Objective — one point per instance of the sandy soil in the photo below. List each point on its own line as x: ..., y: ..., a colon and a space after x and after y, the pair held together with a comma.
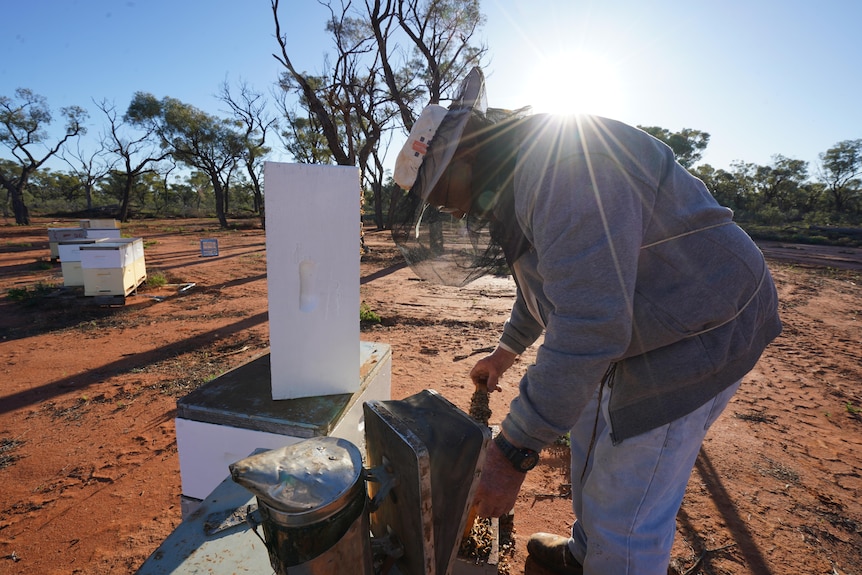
x: 88, y: 457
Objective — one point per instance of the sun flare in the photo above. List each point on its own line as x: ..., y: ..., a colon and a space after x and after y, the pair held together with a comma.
x: 575, y: 83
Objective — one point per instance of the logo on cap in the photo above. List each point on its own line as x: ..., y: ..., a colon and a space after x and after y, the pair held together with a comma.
x: 420, y: 147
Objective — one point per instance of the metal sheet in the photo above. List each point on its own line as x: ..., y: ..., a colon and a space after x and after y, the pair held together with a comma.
x: 428, y: 441
x: 195, y: 547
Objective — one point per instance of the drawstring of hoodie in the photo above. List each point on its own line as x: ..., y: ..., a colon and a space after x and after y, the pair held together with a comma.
x: 606, y: 380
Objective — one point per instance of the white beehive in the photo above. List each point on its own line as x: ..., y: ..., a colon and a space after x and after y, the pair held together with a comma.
x: 57, y: 235
x: 312, y: 257
x: 104, y: 233
x: 113, y: 267
x: 70, y: 260
x: 226, y: 419
x: 100, y: 223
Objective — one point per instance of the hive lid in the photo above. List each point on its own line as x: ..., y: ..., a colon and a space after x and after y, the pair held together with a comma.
x: 310, y: 480
x: 437, y: 451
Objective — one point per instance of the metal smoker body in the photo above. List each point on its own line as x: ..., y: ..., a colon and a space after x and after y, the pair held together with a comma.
x: 424, y: 456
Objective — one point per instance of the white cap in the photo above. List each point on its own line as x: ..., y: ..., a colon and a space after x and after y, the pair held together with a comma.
x: 413, y: 152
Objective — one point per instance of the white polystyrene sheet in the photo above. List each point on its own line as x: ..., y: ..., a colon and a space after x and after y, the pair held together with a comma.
x: 312, y: 252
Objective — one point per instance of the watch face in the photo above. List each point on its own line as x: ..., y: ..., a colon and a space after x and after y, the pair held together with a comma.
x: 523, y: 459
x: 529, y: 460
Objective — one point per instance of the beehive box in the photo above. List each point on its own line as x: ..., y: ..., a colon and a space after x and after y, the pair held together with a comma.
x: 103, y: 233
x: 113, y: 267
x: 466, y: 564
x: 70, y: 260
x: 100, y: 223
x: 57, y: 235
x: 225, y: 419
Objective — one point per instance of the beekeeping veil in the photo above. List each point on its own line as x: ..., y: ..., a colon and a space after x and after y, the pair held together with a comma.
x: 439, y: 247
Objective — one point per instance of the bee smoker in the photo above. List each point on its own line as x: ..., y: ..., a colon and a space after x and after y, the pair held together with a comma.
x: 312, y: 505
x: 323, y: 513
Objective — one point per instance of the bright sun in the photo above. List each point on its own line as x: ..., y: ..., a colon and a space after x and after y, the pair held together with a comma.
x: 574, y: 83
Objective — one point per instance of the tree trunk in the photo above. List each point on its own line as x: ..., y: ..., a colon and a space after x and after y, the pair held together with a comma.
x: 16, y: 193
x: 378, y: 208
x: 219, y: 201
x: 22, y: 213
x: 258, y: 197
x: 123, y: 216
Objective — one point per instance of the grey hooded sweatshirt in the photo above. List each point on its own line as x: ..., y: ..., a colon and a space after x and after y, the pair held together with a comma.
x: 632, y: 264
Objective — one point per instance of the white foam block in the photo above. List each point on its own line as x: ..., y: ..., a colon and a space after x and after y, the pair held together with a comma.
x: 312, y: 253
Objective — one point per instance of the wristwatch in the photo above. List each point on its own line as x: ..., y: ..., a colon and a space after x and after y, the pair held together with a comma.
x: 522, y: 458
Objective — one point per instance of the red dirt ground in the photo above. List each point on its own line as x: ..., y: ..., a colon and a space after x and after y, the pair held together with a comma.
x: 88, y: 457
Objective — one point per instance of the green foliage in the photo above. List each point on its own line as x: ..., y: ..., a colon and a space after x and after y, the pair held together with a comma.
x: 29, y: 295
x: 156, y: 279
x: 687, y: 144
x: 563, y: 440
x: 800, y: 234
x: 367, y: 315
x: 42, y: 265
x: 842, y: 174
x: 24, y: 122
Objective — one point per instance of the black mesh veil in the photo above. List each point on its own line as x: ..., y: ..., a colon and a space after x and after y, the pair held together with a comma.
x: 438, y: 247
x: 442, y: 249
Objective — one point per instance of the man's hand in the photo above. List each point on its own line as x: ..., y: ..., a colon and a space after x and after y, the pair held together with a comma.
x: 490, y: 368
x: 498, y: 485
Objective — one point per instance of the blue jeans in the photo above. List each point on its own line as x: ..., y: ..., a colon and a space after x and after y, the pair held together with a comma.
x: 626, y: 496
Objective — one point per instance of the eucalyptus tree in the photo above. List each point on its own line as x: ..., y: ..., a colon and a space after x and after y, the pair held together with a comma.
x: 780, y: 183
x: 54, y: 191
x: 841, y: 172
x: 135, y: 150
x: 24, y: 122
x: 301, y: 135
x: 194, y: 138
x: 687, y: 144
x: 390, y: 59
x: 89, y: 167
x: 249, y: 108
x: 723, y: 185
x: 164, y: 194
x: 346, y: 101
x: 436, y: 51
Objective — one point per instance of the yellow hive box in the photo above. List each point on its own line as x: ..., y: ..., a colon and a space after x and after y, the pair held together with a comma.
x: 73, y: 275
x: 113, y: 268
x: 109, y: 281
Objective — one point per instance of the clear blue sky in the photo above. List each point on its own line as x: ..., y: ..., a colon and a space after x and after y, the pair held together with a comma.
x: 763, y: 77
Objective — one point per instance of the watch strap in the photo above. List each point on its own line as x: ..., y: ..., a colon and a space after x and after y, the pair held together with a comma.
x: 522, y: 458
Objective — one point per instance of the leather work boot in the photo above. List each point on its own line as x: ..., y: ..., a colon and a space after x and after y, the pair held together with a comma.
x: 552, y: 553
